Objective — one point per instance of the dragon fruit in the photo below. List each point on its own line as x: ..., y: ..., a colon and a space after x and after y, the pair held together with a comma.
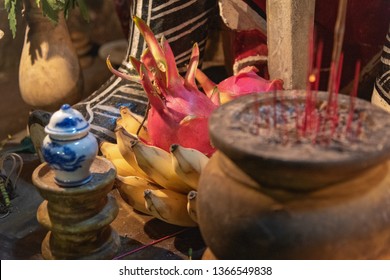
x: 246, y: 81
x: 179, y: 111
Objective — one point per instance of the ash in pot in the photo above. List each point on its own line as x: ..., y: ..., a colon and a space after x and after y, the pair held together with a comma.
x: 296, y: 125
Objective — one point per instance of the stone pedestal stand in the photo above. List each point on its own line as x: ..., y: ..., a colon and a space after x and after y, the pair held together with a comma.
x: 78, y: 218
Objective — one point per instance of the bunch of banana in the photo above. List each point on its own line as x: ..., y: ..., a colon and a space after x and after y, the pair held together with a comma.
x: 153, y: 181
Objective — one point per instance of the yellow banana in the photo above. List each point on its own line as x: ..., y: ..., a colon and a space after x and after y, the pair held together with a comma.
x: 168, y: 206
x: 110, y: 150
x: 157, y: 163
x: 123, y: 168
x: 112, y: 153
x: 131, y: 122
x: 125, y: 140
x: 131, y: 189
x: 191, y: 205
x: 188, y: 164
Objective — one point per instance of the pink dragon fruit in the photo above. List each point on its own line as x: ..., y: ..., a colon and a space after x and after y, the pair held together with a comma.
x: 179, y: 112
x: 245, y: 82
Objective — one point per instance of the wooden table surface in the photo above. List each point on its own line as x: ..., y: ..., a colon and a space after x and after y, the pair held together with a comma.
x: 21, y: 234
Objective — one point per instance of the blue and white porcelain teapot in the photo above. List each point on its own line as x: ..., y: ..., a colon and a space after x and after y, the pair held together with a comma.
x: 69, y: 148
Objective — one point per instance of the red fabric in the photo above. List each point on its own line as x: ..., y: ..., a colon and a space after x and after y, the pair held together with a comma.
x: 260, y: 3
x: 365, y: 31
x: 249, y: 43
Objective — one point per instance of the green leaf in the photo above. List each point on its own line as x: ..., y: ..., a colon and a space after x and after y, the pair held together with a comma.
x: 66, y: 8
x: 71, y: 4
x: 83, y: 9
x: 12, y: 6
x: 56, y: 5
x: 49, y: 9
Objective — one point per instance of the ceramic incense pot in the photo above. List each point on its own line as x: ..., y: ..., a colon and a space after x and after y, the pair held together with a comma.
x: 291, y: 182
x: 277, y: 142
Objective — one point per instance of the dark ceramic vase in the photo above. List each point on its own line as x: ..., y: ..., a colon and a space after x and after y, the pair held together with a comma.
x: 286, y: 200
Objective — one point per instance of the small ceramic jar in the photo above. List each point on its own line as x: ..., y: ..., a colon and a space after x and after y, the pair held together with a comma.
x: 69, y: 148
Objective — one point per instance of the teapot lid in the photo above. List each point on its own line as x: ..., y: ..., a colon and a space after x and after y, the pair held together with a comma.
x: 67, y: 123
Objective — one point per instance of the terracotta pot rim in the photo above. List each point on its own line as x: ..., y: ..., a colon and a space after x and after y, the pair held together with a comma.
x: 251, y: 155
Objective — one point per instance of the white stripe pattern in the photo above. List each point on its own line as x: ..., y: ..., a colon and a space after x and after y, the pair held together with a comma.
x: 162, y: 6
x: 105, y: 131
x: 386, y: 49
x: 188, y: 31
x: 130, y: 99
x: 178, y: 8
x: 110, y: 109
x: 179, y: 27
x: 385, y: 60
x: 184, y: 57
x: 104, y: 114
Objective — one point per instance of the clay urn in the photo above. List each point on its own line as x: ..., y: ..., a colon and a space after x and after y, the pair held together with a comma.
x: 49, y: 72
x: 297, y: 178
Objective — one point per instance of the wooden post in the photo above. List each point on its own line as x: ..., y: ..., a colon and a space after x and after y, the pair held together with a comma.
x: 289, y: 23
